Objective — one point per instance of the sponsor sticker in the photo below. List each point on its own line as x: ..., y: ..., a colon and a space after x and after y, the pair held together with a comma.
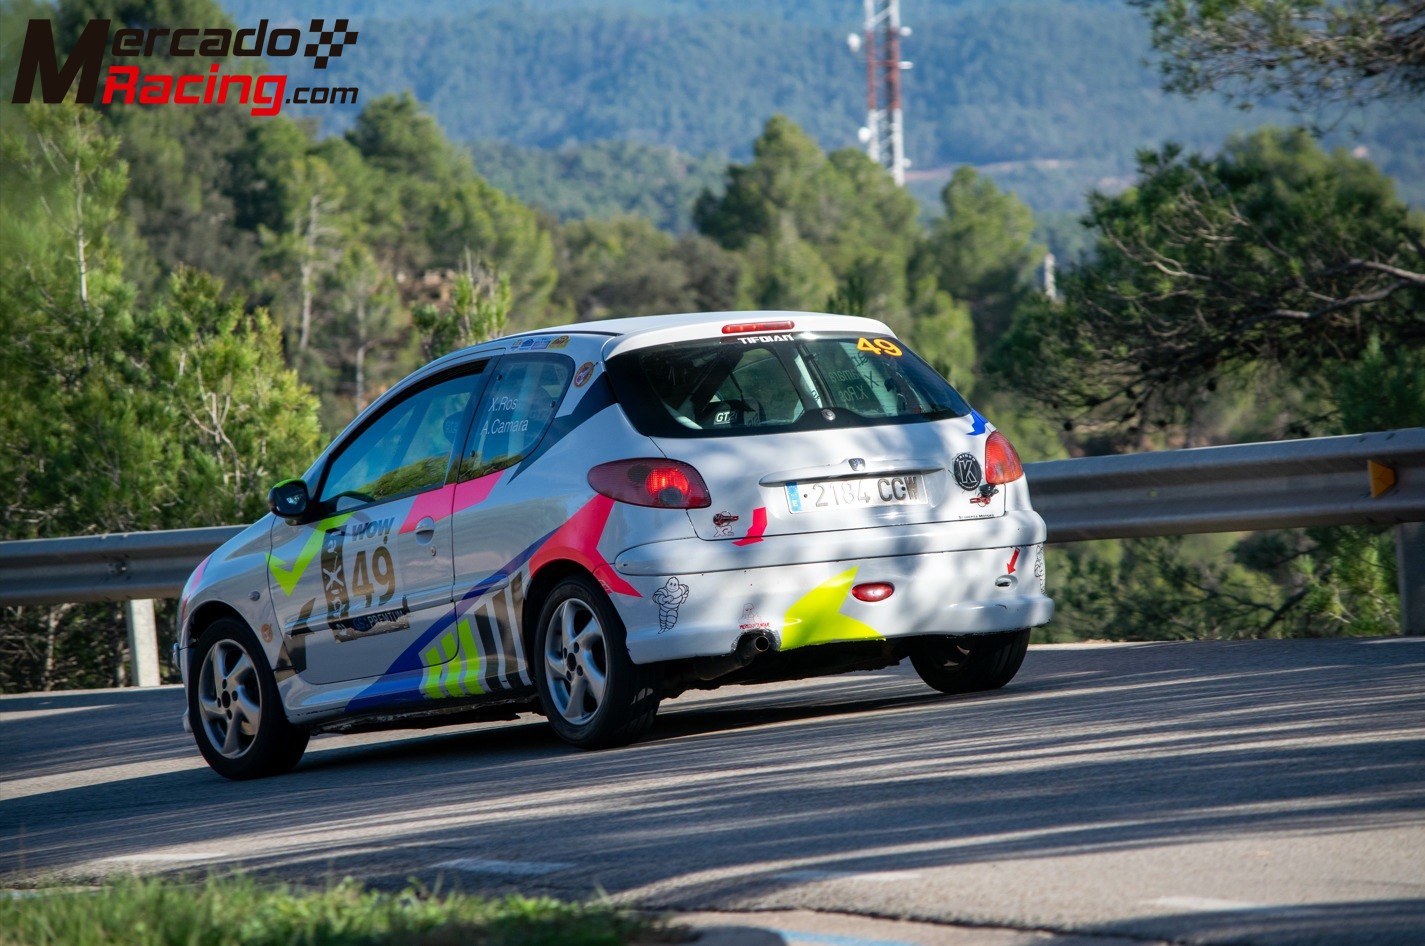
x: 966, y: 470
x: 669, y: 599
x: 369, y: 625
x: 752, y: 621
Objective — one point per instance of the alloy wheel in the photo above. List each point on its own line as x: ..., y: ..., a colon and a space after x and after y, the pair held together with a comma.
x: 229, y: 699
x: 576, y: 662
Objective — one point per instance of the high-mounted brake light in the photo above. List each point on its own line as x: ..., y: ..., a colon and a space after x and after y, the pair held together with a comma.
x: 663, y: 484
x: 742, y: 328
x: 1001, y: 460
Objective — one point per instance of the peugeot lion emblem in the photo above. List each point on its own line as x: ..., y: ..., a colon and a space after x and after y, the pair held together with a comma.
x: 857, y: 464
x: 967, y: 471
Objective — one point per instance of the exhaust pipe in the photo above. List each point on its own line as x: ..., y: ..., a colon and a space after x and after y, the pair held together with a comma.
x: 749, y: 647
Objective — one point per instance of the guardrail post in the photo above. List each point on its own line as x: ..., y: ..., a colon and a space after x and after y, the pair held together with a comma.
x: 1410, y: 569
x: 143, y: 642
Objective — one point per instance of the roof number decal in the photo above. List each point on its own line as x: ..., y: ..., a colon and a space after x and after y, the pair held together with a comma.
x: 878, y: 346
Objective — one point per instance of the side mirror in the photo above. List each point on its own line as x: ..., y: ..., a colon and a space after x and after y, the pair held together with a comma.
x: 289, y: 499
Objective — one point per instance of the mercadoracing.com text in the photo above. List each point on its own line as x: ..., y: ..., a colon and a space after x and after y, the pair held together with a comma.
x: 57, y: 74
x: 266, y: 94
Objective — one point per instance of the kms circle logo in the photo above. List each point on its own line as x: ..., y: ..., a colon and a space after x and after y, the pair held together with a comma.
x: 57, y: 73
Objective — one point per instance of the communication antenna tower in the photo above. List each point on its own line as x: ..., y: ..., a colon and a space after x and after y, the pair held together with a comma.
x: 884, y: 134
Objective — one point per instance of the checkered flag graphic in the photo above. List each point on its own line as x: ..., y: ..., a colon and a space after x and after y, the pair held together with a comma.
x: 327, y: 44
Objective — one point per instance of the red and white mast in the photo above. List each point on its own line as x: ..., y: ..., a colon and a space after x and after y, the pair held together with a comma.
x: 884, y: 133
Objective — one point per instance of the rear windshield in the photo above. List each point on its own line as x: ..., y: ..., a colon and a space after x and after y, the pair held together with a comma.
x: 765, y: 383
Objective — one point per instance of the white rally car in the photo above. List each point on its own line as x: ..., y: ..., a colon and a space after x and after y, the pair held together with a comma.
x: 583, y: 521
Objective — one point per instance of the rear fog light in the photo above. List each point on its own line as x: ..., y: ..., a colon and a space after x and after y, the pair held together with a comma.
x: 873, y: 591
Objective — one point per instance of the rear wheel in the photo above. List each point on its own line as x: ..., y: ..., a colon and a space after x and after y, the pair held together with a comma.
x: 236, y: 712
x: 594, y: 695
x: 969, y: 664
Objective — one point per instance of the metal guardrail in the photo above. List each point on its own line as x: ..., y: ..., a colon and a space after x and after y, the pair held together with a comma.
x: 1288, y: 484
x: 1361, y: 479
x: 119, y: 566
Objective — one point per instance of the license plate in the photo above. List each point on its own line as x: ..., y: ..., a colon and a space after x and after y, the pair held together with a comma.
x: 907, y: 490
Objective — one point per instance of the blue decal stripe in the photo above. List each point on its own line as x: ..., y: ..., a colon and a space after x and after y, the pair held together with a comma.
x: 394, y: 686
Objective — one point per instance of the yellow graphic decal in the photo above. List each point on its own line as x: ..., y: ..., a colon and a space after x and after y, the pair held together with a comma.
x: 452, y: 664
x: 465, y: 674
x: 287, y: 578
x: 879, y: 346
x: 816, y: 618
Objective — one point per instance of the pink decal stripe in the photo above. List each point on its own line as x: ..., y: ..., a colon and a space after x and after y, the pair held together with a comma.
x: 476, y: 491
x: 754, y: 531
x: 434, y: 505
x: 450, y: 499
x: 578, y: 541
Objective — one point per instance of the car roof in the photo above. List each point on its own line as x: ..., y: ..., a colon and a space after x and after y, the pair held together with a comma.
x: 644, y: 330
x: 641, y: 331
x: 639, y: 325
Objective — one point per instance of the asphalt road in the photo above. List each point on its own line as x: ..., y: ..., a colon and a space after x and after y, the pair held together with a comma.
x: 1260, y: 792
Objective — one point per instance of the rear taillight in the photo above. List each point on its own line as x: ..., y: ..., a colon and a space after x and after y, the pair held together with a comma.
x: 742, y: 328
x: 665, y: 484
x: 1001, y: 461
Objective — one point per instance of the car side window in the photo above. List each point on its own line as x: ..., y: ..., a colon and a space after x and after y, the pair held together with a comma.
x: 515, y: 411
x: 405, y: 450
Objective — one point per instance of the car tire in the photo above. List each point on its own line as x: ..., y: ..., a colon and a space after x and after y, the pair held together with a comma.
x: 969, y: 664
x: 236, y: 712
x: 594, y: 696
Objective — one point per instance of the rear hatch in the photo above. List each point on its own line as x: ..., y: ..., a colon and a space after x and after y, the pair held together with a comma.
x: 808, y: 432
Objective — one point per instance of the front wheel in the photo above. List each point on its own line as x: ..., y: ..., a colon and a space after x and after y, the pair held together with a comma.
x: 969, y: 664
x: 236, y: 711
x: 594, y: 695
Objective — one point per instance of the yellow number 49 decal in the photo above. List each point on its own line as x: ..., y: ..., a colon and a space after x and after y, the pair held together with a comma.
x: 878, y: 346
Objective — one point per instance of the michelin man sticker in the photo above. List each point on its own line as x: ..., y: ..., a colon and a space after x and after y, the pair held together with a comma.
x: 669, y: 599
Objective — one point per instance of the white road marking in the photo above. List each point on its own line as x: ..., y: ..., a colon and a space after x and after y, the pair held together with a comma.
x: 874, y: 876
x: 21, y: 716
x: 14, y: 789
x: 475, y: 865
x: 164, y: 858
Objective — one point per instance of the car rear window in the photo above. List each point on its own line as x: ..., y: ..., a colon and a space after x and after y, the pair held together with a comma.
x: 765, y: 383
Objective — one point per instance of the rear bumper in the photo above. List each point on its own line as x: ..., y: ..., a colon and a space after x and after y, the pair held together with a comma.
x: 797, y: 590
x: 1016, y: 528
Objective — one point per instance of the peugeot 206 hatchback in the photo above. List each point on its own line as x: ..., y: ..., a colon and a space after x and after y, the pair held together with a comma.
x: 583, y: 521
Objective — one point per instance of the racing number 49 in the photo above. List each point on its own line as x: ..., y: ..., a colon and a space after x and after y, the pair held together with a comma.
x: 382, y: 568
x: 878, y: 346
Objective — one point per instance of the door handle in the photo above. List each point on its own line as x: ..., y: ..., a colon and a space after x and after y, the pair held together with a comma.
x: 425, y: 530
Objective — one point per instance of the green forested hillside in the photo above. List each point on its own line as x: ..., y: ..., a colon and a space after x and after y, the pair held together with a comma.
x: 1052, y: 97
x: 602, y: 179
